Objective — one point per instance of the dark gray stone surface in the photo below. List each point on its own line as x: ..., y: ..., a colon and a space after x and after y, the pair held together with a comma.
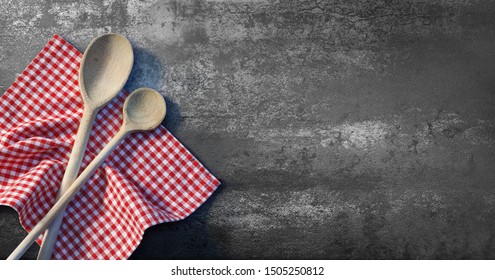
x: 340, y: 129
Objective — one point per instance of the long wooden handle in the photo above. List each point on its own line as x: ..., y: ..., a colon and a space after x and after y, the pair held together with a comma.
x: 70, y: 176
x: 66, y: 197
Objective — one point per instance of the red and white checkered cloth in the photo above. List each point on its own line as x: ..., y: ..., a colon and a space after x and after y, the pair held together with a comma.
x: 150, y: 178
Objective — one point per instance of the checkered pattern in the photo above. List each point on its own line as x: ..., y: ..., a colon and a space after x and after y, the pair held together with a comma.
x: 150, y: 178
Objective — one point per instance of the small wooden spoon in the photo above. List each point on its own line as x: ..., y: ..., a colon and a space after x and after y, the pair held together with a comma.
x: 105, y: 67
x: 144, y: 110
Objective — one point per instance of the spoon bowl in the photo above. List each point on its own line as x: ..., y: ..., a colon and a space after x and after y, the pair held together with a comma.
x: 105, y: 67
x: 143, y: 110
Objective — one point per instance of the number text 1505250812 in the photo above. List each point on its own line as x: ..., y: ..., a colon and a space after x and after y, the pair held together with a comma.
x: 294, y: 270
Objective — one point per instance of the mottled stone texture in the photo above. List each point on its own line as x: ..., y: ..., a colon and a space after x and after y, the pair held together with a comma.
x: 340, y: 129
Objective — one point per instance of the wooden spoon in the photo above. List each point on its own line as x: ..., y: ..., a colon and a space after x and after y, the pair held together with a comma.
x: 144, y: 109
x: 105, y: 67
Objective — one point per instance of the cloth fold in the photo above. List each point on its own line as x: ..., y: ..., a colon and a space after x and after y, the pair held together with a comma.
x: 150, y: 178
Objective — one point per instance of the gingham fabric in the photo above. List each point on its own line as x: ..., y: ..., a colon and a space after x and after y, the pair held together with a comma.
x: 150, y: 178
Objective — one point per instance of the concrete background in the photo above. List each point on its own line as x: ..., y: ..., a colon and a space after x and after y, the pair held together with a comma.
x: 340, y: 129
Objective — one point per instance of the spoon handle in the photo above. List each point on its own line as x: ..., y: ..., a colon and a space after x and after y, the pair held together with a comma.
x: 70, y: 176
x: 60, y: 205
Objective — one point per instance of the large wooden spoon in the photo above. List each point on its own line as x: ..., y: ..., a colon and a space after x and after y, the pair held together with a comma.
x: 105, y: 67
x: 143, y: 110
